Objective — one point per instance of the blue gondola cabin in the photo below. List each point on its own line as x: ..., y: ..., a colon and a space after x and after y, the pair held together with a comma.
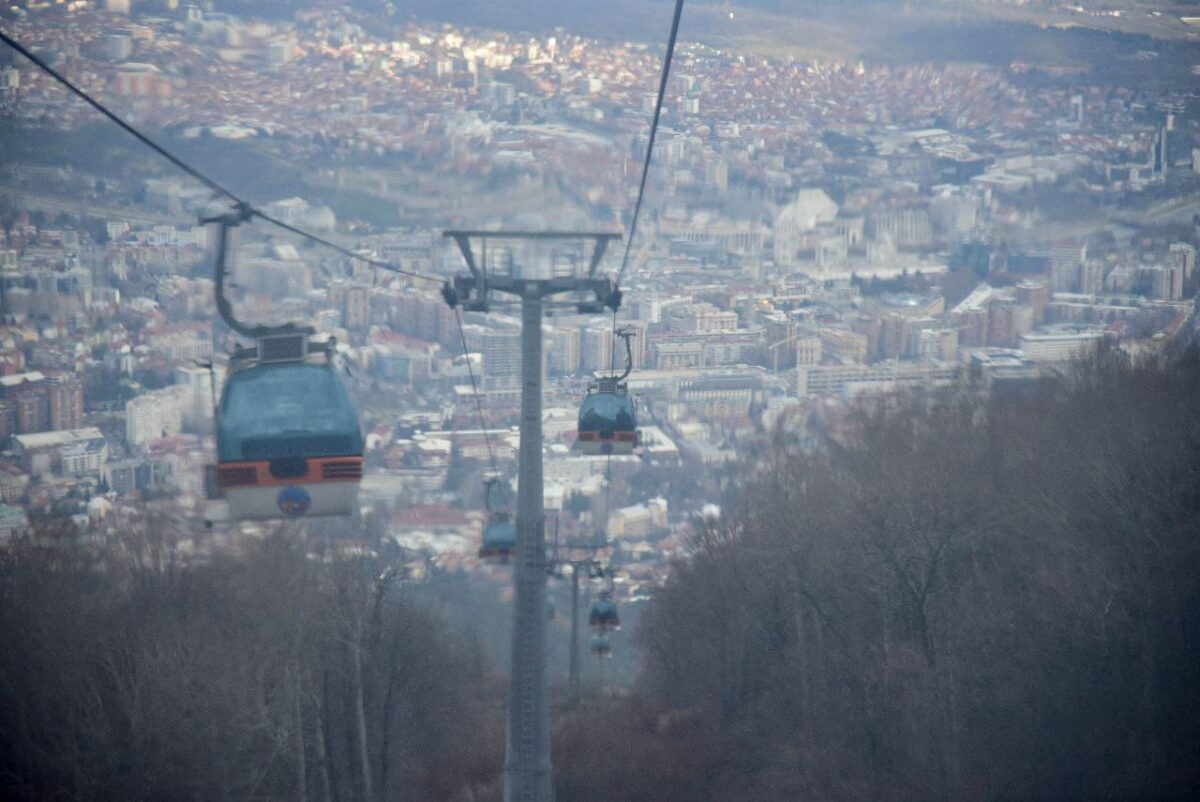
x: 607, y: 420
x: 288, y: 441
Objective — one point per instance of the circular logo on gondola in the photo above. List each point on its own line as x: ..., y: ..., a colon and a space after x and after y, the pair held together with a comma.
x: 606, y: 448
x: 294, y: 500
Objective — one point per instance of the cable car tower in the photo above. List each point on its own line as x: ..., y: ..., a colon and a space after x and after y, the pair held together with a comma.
x: 517, y: 271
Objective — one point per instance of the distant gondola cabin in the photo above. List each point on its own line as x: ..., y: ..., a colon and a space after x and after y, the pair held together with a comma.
x: 499, y: 538
x: 607, y: 420
x: 603, y: 615
x: 601, y: 647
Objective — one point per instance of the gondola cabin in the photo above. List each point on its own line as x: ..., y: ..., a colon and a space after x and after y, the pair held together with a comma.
x: 288, y: 442
x: 603, y: 615
x: 499, y: 538
x: 601, y: 647
x: 607, y: 420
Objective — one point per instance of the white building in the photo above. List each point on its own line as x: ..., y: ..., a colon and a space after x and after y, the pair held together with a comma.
x: 72, y: 451
x: 639, y: 520
x: 184, y: 345
x: 1059, y: 347
x: 502, y: 363
x: 596, y: 347
x: 853, y: 378
x: 154, y: 415
x: 795, y: 222
x: 196, y: 394
x: 564, y: 350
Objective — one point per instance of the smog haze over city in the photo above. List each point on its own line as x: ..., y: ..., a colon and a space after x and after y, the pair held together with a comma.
x: 633, y: 400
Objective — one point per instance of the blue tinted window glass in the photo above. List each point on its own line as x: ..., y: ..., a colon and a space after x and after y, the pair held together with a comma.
x: 499, y: 534
x: 293, y: 409
x: 607, y: 412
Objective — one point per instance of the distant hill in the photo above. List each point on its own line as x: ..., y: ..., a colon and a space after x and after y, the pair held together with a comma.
x: 633, y: 19
x: 897, y: 31
x: 609, y: 18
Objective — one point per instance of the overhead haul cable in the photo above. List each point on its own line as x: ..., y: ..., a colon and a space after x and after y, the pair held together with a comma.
x: 658, y: 104
x: 487, y: 439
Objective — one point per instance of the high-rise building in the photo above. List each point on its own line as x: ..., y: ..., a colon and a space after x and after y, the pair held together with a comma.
x: 973, y: 326
x: 1183, y: 256
x: 38, y: 403
x: 1162, y: 158
x: 153, y: 415
x: 196, y: 396
x: 893, y: 334
x: 648, y: 308
x: 596, y: 348
x: 502, y: 363
x: 1007, y: 321
x: 33, y: 414
x: 118, y: 46
x: 1091, y: 277
x: 564, y: 350
x: 8, y: 420
x: 1063, y: 272
x: 65, y: 401
x: 1166, y: 282
x: 1035, y: 295
x: 353, y: 302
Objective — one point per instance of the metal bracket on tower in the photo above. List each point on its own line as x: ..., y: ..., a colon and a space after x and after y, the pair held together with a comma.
x: 473, y: 291
x: 614, y: 299
x: 450, y: 295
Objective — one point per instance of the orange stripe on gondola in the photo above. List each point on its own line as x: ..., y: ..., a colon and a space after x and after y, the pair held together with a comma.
x: 347, y: 469
x: 318, y: 470
x: 620, y: 437
x: 237, y: 475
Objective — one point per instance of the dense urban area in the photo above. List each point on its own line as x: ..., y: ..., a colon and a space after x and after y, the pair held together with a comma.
x: 910, y: 354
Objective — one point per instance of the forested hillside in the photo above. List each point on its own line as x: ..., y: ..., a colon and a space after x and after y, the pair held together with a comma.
x: 959, y: 598
x: 265, y: 676
x: 963, y: 599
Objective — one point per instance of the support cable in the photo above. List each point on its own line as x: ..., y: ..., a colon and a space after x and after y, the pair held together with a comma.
x: 658, y: 104
x: 612, y: 369
x: 487, y: 439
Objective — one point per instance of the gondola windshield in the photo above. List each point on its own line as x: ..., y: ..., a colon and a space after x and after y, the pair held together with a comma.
x: 286, y: 410
x: 607, y: 412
